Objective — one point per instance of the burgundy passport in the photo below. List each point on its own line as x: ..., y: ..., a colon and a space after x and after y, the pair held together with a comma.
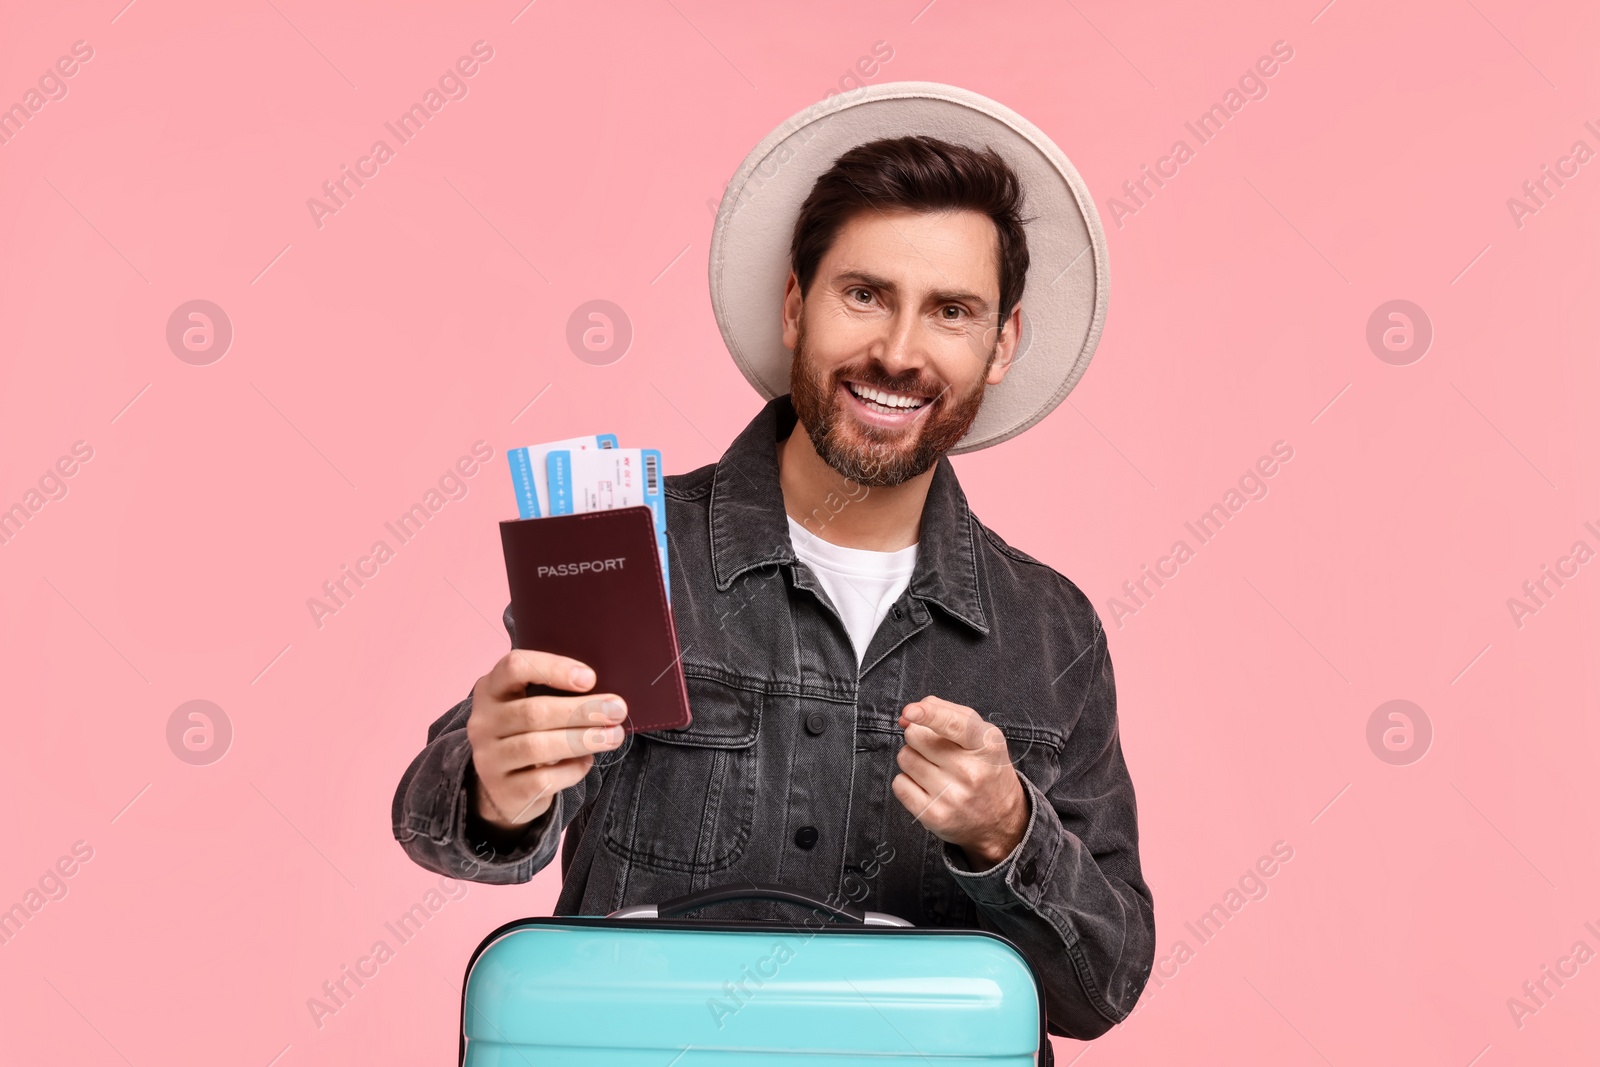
x: 589, y: 586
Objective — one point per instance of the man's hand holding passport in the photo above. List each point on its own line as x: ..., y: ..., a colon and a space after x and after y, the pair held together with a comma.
x: 587, y: 569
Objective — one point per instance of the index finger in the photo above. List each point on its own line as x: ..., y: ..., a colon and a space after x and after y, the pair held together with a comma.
x: 954, y: 722
x: 522, y: 667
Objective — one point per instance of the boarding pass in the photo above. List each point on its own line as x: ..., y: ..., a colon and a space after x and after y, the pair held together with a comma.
x: 528, y: 470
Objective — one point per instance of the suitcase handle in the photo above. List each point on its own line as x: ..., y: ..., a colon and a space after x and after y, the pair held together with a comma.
x: 675, y: 907
x: 672, y: 909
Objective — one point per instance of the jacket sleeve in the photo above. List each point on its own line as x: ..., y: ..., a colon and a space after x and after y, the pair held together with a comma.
x: 435, y: 822
x: 1071, y: 895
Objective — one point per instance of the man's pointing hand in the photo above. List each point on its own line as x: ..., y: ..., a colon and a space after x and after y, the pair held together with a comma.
x: 957, y: 780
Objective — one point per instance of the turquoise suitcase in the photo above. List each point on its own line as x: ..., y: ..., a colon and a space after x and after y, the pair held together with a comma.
x: 840, y: 987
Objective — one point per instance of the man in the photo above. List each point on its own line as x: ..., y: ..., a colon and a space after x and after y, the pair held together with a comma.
x: 890, y: 704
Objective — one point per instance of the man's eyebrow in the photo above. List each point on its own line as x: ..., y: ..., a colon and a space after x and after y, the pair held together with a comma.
x: 941, y: 295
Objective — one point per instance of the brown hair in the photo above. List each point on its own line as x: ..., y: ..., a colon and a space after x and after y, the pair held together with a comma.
x: 917, y: 173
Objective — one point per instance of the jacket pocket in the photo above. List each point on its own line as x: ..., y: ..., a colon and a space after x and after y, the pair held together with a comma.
x: 1035, y: 750
x: 684, y: 800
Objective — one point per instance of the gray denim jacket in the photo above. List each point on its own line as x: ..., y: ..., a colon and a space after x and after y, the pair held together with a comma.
x: 783, y: 775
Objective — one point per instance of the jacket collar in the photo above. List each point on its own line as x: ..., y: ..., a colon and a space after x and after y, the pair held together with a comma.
x: 748, y: 527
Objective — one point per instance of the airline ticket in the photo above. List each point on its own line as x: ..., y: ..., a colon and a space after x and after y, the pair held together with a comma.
x: 528, y: 469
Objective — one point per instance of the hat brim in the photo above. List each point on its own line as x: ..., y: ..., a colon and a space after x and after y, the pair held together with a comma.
x: 1063, y: 302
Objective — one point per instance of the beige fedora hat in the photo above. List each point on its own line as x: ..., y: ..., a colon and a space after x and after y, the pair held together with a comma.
x: 1063, y: 304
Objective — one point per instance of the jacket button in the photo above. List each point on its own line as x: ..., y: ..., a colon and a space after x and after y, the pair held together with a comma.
x: 897, y: 612
x: 806, y: 836
x: 816, y: 722
x: 1026, y: 872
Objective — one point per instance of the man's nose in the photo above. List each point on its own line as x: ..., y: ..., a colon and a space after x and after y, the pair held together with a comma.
x: 902, y: 348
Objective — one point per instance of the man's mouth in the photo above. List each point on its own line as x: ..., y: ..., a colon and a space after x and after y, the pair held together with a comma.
x: 884, y: 401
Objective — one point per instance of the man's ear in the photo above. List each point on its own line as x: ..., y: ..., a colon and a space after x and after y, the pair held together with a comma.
x: 792, y: 304
x: 1006, y: 347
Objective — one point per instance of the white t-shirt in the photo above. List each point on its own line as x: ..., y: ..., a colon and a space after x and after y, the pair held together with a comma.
x: 862, y: 584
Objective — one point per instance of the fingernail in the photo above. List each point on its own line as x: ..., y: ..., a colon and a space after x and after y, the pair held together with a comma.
x: 604, y: 711
x: 582, y: 677
x: 604, y: 736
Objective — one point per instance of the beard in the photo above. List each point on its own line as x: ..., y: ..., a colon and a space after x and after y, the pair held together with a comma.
x: 873, y: 455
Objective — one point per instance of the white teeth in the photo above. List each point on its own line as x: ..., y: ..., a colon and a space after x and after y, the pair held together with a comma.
x: 885, y: 399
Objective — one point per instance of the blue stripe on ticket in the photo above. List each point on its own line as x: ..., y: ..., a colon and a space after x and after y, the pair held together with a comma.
x: 666, y: 578
x: 522, y: 483
x: 650, y: 458
x: 559, y: 471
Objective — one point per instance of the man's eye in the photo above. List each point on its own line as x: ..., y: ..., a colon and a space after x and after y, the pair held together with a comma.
x: 859, y: 289
x: 953, y: 307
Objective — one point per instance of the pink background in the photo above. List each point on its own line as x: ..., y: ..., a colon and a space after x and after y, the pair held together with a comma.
x: 370, y: 353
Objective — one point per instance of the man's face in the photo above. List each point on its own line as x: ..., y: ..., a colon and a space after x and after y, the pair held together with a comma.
x: 897, y: 340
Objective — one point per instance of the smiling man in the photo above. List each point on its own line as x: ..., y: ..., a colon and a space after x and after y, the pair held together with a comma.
x: 891, y: 705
